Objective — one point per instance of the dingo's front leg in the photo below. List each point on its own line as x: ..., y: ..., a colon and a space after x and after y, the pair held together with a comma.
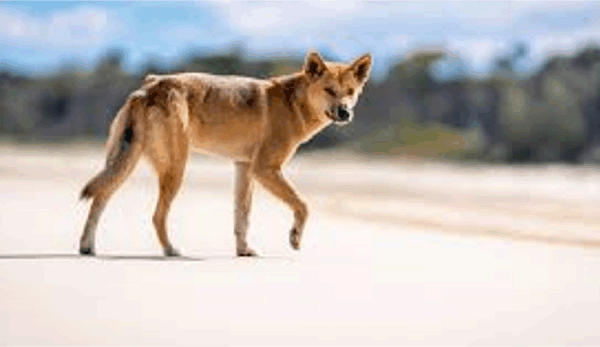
x: 243, y: 200
x: 272, y: 179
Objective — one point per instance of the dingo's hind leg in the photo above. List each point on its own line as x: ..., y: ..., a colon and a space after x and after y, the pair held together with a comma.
x: 100, y: 199
x: 169, y: 183
x: 87, y: 241
x: 125, y: 148
x: 169, y: 155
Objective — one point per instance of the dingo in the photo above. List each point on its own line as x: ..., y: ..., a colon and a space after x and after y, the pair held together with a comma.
x: 258, y: 124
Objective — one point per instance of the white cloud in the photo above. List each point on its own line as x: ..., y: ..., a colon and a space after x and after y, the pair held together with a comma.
x: 272, y: 18
x: 77, y: 27
x: 260, y: 18
x: 534, y: 6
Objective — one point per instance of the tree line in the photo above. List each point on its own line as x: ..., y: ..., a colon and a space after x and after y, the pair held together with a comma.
x: 551, y: 115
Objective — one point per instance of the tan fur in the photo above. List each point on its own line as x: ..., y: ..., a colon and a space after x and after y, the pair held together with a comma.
x: 259, y: 124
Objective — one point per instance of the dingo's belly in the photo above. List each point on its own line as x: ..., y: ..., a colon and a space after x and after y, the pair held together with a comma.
x: 236, y: 138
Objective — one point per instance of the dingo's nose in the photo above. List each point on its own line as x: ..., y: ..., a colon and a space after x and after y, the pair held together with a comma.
x: 343, y: 114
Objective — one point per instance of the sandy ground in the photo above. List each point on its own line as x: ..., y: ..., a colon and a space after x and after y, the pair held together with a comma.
x: 394, y: 253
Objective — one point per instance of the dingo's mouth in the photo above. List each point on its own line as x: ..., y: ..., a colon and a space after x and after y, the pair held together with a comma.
x: 331, y: 115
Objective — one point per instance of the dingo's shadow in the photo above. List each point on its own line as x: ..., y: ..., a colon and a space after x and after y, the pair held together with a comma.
x: 98, y: 257
x: 32, y: 256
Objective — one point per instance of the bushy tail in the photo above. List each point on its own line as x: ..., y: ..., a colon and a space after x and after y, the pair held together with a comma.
x: 125, y: 146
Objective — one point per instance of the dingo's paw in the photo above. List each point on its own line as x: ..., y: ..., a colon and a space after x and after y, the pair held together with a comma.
x: 88, y: 251
x: 246, y: 252
x: 171, y: 252
x: 295, y: 237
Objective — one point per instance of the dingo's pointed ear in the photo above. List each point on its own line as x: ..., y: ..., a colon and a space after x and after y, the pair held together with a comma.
x: 362, y: 67
x: 314, y: 66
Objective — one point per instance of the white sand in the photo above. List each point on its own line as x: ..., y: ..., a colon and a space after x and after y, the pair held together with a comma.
x: 393, y: 254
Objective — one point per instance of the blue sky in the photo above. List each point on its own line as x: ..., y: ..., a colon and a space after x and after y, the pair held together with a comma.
x: 40, y: 36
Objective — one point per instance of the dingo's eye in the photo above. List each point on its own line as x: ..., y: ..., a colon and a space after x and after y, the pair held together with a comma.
x: 350, y: 91
x: 330, y: 92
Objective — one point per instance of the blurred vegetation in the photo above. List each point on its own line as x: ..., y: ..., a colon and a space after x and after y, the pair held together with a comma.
x: 551, y: 115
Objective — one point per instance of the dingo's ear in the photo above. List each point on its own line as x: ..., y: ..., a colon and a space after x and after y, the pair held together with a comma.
x: 362, y: 67
x: 314, y: 66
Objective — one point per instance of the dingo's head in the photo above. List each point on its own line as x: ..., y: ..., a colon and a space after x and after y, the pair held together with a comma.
x: 334, y: 87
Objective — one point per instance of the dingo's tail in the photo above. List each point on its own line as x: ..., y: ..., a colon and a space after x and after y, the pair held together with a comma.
x: 125, y: 146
